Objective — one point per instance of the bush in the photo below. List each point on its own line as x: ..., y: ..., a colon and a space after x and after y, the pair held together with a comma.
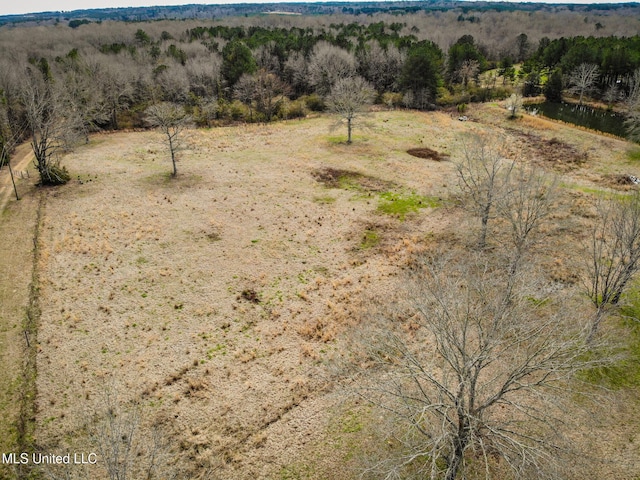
x: 292, y: 109
x: 392, y: 99
x: 55, y: 175
x: 238, y: 110
x: 314, y: 102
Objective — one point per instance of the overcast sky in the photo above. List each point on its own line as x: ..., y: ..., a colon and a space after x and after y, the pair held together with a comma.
x: 11, y: 7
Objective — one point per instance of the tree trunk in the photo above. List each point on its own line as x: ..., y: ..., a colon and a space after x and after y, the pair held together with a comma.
x: 600, y: 314
x: 461, y: 442
x: 482, y: 242
x: 114, y: 118
x: 173, y: 157
x: 349, y: 130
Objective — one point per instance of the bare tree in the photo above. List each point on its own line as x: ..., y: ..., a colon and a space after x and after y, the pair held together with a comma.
x: 117, y: 91
x: 204, y: 75
x: 245, y: 91
x: 208, y: 109
x: 266, y: 58
x: 614, y: 254
x: 328, y: 64
x: 381, y: 66
x: 479, y: 382
x: 171, y: 119
x: 348, y: 99
x: 468, y: 70
x: 526, y: 202
x: 269, y: 92
x: 125, y: 444
x: 514, y: 104
x: 86, y: 102
x: 611, y: 94
x: 483, y: 178
x: 296, y: 72
x: 583, y: 78
x: 172, y: 85
x: 53, y: 124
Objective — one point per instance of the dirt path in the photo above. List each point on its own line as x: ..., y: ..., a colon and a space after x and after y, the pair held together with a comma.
x: 19, y: 162
x: 16, y: 232
x: 16, y: 260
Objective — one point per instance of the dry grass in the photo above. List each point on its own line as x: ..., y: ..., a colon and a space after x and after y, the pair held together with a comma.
x: 215, y: 299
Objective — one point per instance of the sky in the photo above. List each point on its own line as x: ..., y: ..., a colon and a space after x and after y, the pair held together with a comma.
x: 13, y: 7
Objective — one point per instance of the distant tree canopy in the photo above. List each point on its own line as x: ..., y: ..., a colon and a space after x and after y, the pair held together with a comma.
x: 259, y: 69
x: 236, y: 60
x: 421, y: 71
x: 462, y: 51
x: 616, y: 57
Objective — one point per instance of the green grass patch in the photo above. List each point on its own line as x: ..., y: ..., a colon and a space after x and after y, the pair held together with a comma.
x: 625, y: 372
x: 597, y: 192
x: 324, y: 200
x: 351, y: 422
x: 537, y: 302
x: 370, y: 239
x: 633, y: 155
x: 583, y: 189
x: 400, y: 204
x: 298, y: 472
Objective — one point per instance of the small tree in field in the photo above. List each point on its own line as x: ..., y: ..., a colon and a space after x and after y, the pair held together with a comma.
x: 348, y: 99
x: 514, y: 104
x: 171, y: 119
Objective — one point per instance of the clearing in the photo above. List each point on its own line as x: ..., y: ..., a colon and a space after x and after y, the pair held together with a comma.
x: 215, y: 301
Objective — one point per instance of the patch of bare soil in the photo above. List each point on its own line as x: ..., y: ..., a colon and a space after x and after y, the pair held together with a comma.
x: 554, y: 152
x: 428, y: 153
x: 338, y: 178
x: 620, y: 181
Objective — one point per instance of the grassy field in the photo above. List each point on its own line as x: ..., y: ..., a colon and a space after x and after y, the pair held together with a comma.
x: 210, y: 307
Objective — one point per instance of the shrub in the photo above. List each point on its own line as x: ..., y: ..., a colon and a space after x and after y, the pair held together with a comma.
x: 392, y: 99
x: 55, y: 175
x: 292, y: 109
x: 238, y: 110
x: 314, y: 102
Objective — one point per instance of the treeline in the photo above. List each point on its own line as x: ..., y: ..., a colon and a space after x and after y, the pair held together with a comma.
x: 181, y: 12
x: 614, y: 61
x: 105, y: 76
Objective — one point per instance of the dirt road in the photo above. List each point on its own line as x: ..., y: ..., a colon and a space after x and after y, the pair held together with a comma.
x: 19, y: 162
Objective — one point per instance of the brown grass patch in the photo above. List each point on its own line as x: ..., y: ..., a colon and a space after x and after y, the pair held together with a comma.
x: 554, y: 152
x: 620, y: 181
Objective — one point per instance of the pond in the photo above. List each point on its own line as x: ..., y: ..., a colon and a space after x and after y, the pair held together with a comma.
x: 593, y: 118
